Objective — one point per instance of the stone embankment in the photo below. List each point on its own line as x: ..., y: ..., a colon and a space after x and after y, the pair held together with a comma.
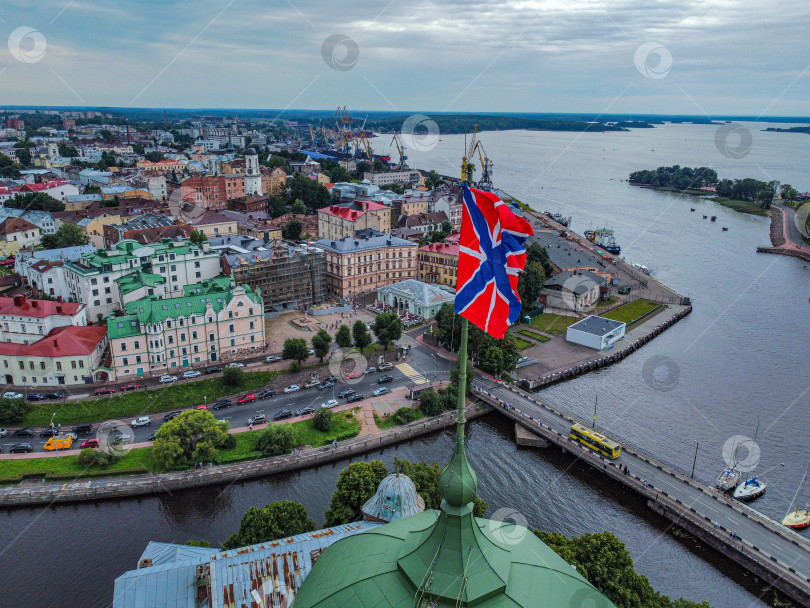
x: 779, y: 241
x: 28, y: 494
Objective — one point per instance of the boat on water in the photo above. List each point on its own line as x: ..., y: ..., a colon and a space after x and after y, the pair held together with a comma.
x: 728, y: 479
x: 800, y: 518
x: 751, y: 489
x: 605, y: 239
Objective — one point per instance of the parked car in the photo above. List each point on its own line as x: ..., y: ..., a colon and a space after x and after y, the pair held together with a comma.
x: 90, y: 443
x: 192, y: 373
x: 283, y: 414
x: 326, y: 384
x: 35, y: 397
x: 384, y: 367
x: 223, y: 404
x: 352, y: 375
x: 272, y: 359
x: 142, y: 421
x: 250, y: 397
x: 330, y: 404
x: 258, y: 418
x: 104, y: 390
x: 311, y: 384
x: 130, y: 387
x: 293, y: 388
x: 12, y: 395
x: 83, y: 428
x: 213, y: 369
x: 21, y: 448
x: 49, y: 432
x: 27, y: 432
x: 384, y: 379
x: 266, y: 394
x: 235, y: 364
x: 167, y: 379
x: 171, y: 415
x: 331, y: 379
x: 304, y: 411
x: 118, y: 436
x: 3, y: 432
x: 370, y: 369
x: 153, y: 436
x: 202, y: 408
x: 383, y: 390
x: 355, y: 397
x: 311, y: 352
x: 54, y: 395
x: 346, y: 393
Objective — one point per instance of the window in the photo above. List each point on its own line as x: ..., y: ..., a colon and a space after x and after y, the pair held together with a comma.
x: 58, y: 366
x: 183, y: 337
x: 73, y: 365
x: 123, y: 347
x: 171, y: 339
x: 251, y: 325
x: 125, y: 361
x: 174, y: 268
x: 138, y: 359
x: 211, y: 336
x: 194, y: 335
x: 22, y: 364
x: 81, y: 363
x: 233, y: 342
x: 137, y: 344
x: 41, y: 365
x: 198, y: 274
x: 230, y: 328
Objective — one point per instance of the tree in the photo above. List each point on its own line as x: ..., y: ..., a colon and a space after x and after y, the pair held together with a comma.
x: 433, y: 180
x: 537, y: 254
x: 68, y: 235
x: 355, y: 485
x: 24, y: 157
x: 233, y: 377
x: 493, y: 360
x: 13, y: 411
x: 291, y: 230
x: 276, y: 440
x: 279, y: 161
x: 36, y: 200
x: 313, y: 194
x: 788, y: 192
x: 276, y: 206
x: 193, y: 436
x: 605, y: 562
x: 338, y: 173
x: 406, y: 414
x: 430, y: 403
x: 426, y: 479
x: 323, y: 420
x: 298, y: 207
x: 343, y: 337
x: 387, y: 327
x: 447, y: 226
x: 277, y: 520
x: 530, y: 285
x: 67, y: 150
x: 8, y: 168
x: 197, y: 236
x: 360, y: 334
x: 154, y: 157
x: 197, y: 543
x: 295, y: 349
x: 321, y: 343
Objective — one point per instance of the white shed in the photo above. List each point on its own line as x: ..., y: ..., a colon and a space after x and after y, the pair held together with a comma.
x: 595, y: 332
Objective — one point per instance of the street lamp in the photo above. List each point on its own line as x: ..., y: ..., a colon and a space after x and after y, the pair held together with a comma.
x: 694, y: 462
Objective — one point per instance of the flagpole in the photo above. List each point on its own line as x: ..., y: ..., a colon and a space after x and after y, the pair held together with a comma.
x: 462, y: 381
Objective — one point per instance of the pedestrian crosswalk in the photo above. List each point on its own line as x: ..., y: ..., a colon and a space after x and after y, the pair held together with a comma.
x: 413, y: 375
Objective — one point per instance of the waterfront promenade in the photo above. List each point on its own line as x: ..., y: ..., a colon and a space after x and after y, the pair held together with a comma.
x: 773, y: 552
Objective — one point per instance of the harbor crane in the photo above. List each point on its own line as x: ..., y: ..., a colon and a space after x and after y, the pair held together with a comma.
x: 401, y: 150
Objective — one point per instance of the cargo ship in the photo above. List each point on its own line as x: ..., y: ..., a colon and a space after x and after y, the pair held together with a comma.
x: 605, y: 239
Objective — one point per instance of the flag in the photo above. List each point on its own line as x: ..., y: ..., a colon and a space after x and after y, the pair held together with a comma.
x: 491, y: 256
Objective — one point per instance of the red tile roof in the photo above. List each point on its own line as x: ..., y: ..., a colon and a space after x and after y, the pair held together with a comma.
x: 448, y: 248
x: 24, y: 307
x: 69, y: 341
x: 13, y: 225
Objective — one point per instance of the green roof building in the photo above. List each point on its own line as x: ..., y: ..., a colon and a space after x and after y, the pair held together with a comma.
x: 446, y: 557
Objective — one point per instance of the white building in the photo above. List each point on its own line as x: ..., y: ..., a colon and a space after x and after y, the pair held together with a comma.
x: 41, y: 219
x: 407, y: 178
x: 253, y: 177
x: 595, y: 332
x: 574, y: 290
x: 24, y: 321
x: 92, y: 278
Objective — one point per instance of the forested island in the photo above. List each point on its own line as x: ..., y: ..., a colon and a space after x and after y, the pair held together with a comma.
x: 789, y: 130
x: 748, y: 195
x: 465, y: 123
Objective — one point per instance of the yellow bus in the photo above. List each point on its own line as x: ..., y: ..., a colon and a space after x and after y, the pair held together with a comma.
x: 596, y: 441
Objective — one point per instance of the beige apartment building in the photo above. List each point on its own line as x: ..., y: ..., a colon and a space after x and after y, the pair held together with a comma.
x: 341, y: 220
x: 369, y: 260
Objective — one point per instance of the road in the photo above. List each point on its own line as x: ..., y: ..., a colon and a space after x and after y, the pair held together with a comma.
x: 423, y: 362
x: 705, y: 501
x: 793, y: 234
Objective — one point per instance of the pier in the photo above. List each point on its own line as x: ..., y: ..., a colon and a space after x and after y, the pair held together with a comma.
x: 773, y: 552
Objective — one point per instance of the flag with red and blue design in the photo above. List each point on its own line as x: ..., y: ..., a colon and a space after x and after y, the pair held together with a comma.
x: 491, y: 257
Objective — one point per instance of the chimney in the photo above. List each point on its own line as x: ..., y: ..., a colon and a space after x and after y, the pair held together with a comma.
x: 55, y: 343
x: 34, y: 303
x: 58, y: 309
x: 19, y: 300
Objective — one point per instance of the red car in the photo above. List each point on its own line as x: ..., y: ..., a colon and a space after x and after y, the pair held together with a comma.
x: 130, y: 387
x: 247, y: 398
x: 104, y: 391
x: 202, y: 408
x: 90, y: 443
x: 352, y: 375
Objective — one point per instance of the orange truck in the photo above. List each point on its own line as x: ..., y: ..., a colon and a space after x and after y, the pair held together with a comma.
x: 63, y: 442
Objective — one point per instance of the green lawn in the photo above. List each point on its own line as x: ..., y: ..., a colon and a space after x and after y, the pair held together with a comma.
x: 741, y: 206
x: 391, y: 422
x: 533, y: 334
x: 521, y: 343
x: 553, y: 324
x: 143, y: 401
x: 631, y: 311
x: 139, y: 460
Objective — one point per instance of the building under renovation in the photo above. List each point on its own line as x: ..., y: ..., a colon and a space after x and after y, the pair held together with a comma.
x: 289, y: 276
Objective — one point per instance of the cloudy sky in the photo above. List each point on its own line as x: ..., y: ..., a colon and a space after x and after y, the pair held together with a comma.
x: 702, y: 57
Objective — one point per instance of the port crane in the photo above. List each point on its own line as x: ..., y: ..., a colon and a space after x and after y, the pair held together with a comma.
x: 468, y: 163
x: 401, y: 150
